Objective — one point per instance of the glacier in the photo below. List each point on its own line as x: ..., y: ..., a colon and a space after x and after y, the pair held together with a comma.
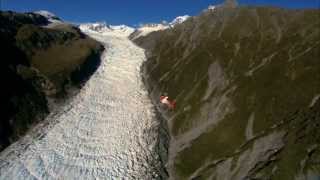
x: 107, y: 131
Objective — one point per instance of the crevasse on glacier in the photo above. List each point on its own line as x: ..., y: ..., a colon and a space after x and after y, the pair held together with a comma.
x: 104, y: 133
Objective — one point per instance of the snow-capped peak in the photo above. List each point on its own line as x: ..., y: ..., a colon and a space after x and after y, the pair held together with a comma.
x: 46, y: 14
x: 226, y: 4
x: 179, y: 20
x: 52, y: 18
x: 211, y: 7
x: 104, y: 28
x: 99, y: 27
x: 121, y: 27
x: 146, y: 29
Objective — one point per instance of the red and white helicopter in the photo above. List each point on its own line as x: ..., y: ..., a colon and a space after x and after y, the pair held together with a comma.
x: 171, y: 104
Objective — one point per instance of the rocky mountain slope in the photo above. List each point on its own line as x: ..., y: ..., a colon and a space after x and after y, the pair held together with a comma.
x: 39, y: 63
x: 247, y: 85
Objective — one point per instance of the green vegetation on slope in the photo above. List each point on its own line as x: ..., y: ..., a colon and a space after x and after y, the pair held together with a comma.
x: 236, y: 73
x: 57, y: 52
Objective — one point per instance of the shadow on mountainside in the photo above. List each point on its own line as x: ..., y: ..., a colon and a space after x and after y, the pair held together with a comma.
x: 38, y: 63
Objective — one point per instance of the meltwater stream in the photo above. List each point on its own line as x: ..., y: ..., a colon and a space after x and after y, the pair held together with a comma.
x: 107, y: 131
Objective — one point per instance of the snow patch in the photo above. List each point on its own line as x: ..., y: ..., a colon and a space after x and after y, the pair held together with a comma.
x: 52, y: 18
x: 211, y: 8
x: 179, y: 20
x: 46, y: 14
x: 149, y: 28
x: 146, y: 29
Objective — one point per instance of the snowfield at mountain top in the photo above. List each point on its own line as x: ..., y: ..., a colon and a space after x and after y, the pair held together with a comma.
x: 125, y: 31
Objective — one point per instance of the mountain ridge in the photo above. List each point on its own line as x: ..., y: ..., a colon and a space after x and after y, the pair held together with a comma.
x: 42, y: 60
x: 124, y: 30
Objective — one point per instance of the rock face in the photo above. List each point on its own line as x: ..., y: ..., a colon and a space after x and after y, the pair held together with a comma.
x: 38, y: 63
x: 247, y: 85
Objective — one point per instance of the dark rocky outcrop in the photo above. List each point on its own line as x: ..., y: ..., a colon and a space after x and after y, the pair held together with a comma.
x: 247, y: 85
x: 38, y: 63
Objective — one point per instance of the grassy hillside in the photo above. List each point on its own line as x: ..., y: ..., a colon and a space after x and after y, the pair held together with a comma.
x: 37, y: 63
x: 247, y: 85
